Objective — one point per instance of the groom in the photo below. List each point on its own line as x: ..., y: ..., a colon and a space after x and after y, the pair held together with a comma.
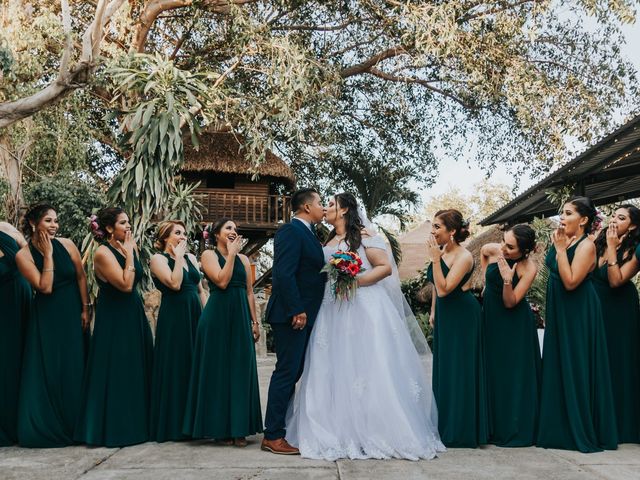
x: 298, y: 287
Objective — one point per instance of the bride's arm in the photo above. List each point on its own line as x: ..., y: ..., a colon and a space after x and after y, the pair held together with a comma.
x: 381, y: 268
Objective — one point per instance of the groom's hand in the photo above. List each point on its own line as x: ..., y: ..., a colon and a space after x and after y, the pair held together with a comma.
x: 299, y: 321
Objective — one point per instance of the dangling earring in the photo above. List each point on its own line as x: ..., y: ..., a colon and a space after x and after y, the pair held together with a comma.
x: 33, y: 228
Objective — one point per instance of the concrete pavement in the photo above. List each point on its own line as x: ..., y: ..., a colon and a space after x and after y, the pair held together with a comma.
x: 204, y: 460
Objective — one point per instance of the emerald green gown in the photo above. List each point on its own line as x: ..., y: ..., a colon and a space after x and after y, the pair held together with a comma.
x: 15, y: 298
x: 115, y: 403
x: 512, y: 353
x: 224, y: 401
x: 53, y: 361
x: 459, y: 382
x: 175, y: 337
x: 621, y: 314
x: 576, y: 403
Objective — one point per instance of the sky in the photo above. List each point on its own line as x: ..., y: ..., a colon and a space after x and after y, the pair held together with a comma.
x: 464, y: 176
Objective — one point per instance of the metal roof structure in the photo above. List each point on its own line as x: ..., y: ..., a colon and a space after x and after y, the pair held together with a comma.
x: 608, y: 172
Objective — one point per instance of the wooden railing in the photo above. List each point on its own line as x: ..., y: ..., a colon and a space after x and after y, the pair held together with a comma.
x: 245, y: 209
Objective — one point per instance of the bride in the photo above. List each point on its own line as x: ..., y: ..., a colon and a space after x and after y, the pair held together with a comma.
x: 365, y: 390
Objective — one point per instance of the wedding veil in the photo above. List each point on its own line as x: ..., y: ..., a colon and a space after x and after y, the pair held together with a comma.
x: 392, y: 285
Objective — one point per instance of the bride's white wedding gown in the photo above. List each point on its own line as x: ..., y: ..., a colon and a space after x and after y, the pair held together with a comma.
x: 364, y: 391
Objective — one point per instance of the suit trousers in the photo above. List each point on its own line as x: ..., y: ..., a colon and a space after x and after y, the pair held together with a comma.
x: 290, y: 346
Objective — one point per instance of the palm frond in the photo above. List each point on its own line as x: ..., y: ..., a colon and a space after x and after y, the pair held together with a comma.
x: 396, y: 251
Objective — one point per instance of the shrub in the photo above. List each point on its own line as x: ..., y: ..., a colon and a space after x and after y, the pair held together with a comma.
x: 74, y: 199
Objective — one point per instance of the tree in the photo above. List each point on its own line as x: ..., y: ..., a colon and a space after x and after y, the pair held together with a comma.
x: 483, y: 199
x: 74, y: 199
x: 516, y: 75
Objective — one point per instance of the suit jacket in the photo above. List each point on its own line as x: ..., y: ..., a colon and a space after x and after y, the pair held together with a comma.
x: 298, y: 285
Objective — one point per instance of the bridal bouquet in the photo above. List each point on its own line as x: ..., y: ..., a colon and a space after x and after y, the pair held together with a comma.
x: 342, y: 270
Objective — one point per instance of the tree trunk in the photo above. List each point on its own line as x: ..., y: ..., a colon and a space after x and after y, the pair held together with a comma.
x: 11, y: 172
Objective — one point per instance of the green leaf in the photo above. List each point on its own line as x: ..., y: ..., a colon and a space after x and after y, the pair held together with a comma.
x: 139, y: 175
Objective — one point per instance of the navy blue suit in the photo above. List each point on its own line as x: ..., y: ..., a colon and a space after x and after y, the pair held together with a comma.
x: 298, y: 287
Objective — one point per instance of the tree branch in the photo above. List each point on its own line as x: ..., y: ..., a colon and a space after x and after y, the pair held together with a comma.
x: 318, y: 28
x: 68, y: 79
x: 425, y: 83
x: 153, y: 8
x: 494, y: 10
x: 371, y: 62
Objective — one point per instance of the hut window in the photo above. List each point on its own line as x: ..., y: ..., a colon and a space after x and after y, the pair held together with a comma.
x: 220, y: 180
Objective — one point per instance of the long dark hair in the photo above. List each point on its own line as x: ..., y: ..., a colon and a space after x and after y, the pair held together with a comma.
x: 584, y: 207
x: 630, y: 241
x: 34, y: 215
x: 353, y: 222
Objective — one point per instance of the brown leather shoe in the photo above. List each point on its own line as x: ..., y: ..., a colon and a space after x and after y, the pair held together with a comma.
x: 279, y: 446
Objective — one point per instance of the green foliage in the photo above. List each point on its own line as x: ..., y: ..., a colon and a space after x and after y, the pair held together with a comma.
x: 560, y: 195
x: 411, y: 288
x: 4, y: 191
x: 183, y: 205
x: 6, y: 58
x: 537, y: 294
x: 380, y: 150
x: 425, y: 326
x: 152, y: 129
x: 543, y: 228
x: 74, y: 199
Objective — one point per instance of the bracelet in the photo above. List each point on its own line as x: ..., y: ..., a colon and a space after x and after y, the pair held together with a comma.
x: 88, y: 304
x: 507, y: 282
x: 255, y: 323
x: 131, y: 268
x: 612, y: 264
x: 48, y: 270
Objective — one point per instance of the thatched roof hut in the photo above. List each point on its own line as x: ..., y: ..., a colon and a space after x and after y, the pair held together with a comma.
x: 222, y: 154
x: 414, y: 251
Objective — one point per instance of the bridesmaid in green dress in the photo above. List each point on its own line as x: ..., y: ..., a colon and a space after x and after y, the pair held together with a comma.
x: 512, y: 351
x: 176, y: 275
x: 53, y: 362
x: 15, y: 298
x: 458, y: 359
x: 115, y: 402
x: 224, y: 401
x: 576, y: 403
x: 617, y: 264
